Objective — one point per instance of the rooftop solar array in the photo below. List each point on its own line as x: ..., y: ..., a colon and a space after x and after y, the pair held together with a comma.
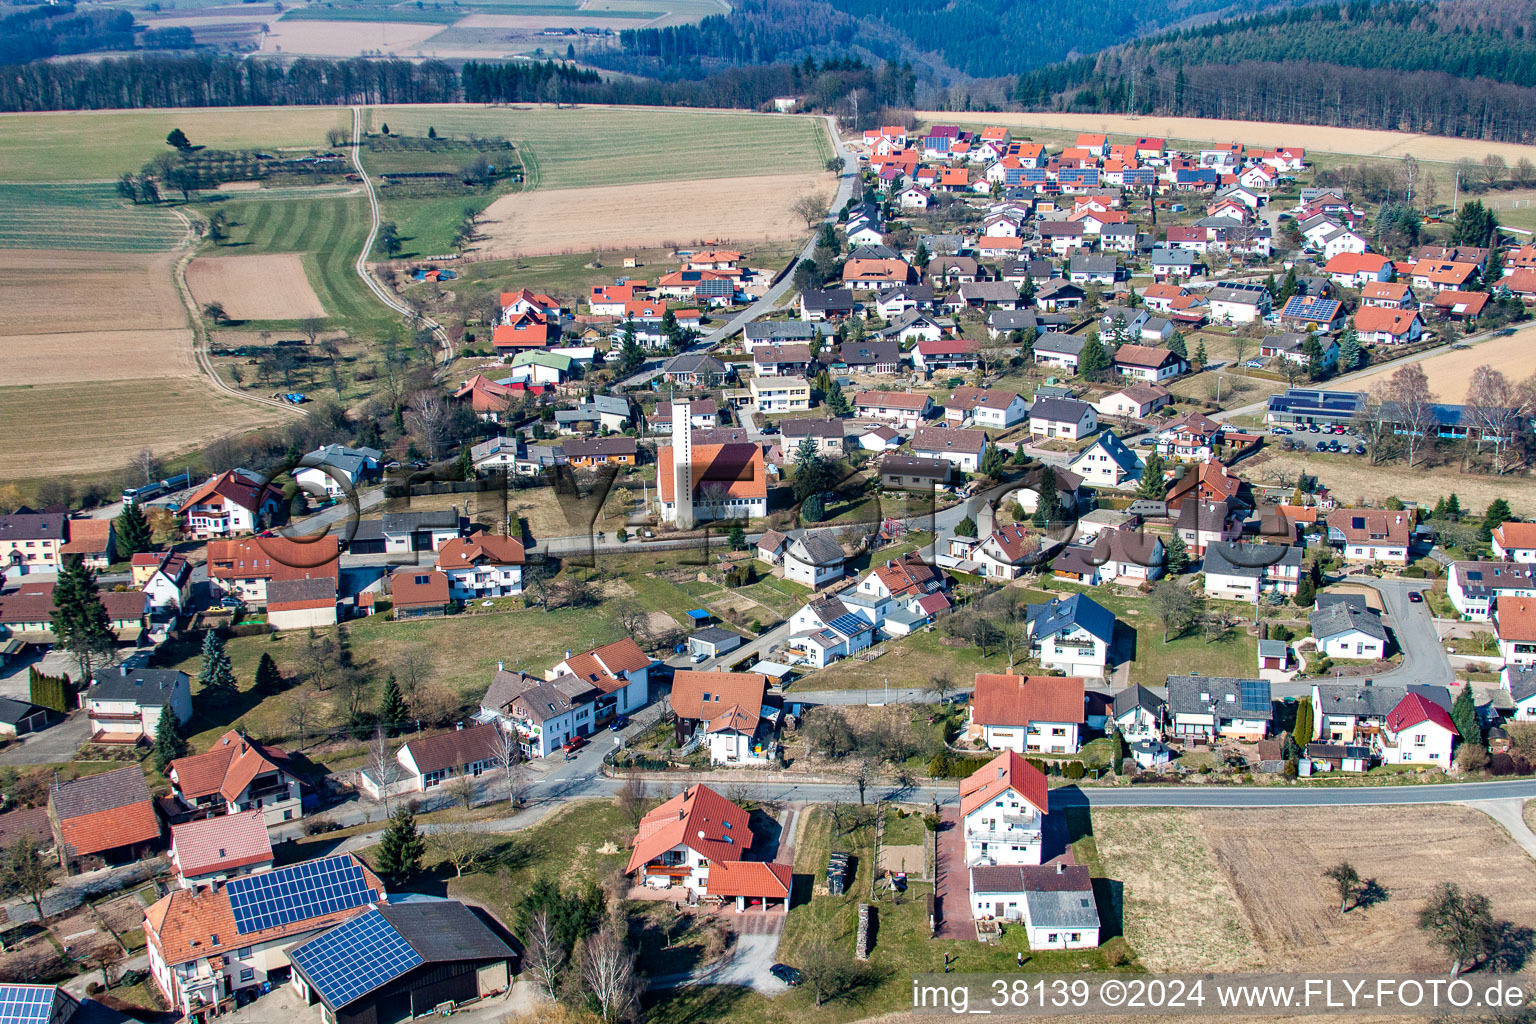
x: 1310, y: 308
x: 1309, y: 402
x: 848, y: 625
x: 1253, y: 694
x: 297, y: 893
x: 26, y: 1004
x: 355, y: 958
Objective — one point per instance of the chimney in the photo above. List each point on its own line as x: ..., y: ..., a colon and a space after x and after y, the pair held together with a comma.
x: 680, y: 815
x: 501, y: 666
x: 123, y: 669
x: 458, y: 726
x: 1061, y: 868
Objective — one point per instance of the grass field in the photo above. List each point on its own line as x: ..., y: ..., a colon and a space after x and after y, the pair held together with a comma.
x: 94, y: 426
x: 1233, y: 889
x: 328, y: 233
x: 579, y: 147
x: 100, y: 145
x: 83, y: 216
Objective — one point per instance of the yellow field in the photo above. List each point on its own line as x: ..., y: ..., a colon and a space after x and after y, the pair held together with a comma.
x: 1450, y: 372
x: 1354, y: 141
x: 270, y: 287
x: 666, y: 213
x: 347, y: 38
x: 96, y: 426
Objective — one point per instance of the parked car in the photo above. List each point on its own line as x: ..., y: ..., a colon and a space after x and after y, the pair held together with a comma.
x: 699, y: 656
x: 1278, y: 430
x: 1254, y: 364
x: 1359, y: 449
x: 1333, y: 446
x: 1322, y: 446
x: 574, y: 744
x: 1417, y: 597
x: 785, y: 973
x: 1312, y: 428
x: 618, y: 723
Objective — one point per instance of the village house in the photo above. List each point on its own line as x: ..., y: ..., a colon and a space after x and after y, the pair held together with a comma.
x: 1138, y: 713
x: 825, y: 435
x: 900, y: 407
x: 1072, y: 634
x: 695, y: 370
x: 698, y: 840
x: 103, y: 819
x: 333, y: 470
x: 1460, y: 306
x: 730, y: 707
x: 1218, y: 707
x: 93, y: 541
x: 1003, y: 805
x: 1059, y: 350
x: 1355, y: 712
x: 1514, y: 619
x: 32, y: 541
x: 1378, y: 325
x: 1417, y: 731
x: 430, y: 761
x: 1357, y: 270
x: 237, y: 775
x: 1474, y: 587
x: 211, y: 851
x: 1371, y: 534
x: 906, y: 473
x: 1238, y: 303
x: 482, y: 565
x: 1245, y: 572
x: 540, y: 715
x: 814, y: 559
x: 1192, y: 437
x: 1149, y: 364
x: 621, y: 670
x: 985, y: 407
x: 247, y: 568
x: 945, y: 354
x: 825, y: 630
x: 833, y: 304
x: 777, y: 332
x: 1301, y: 312
x: 1007, y: 552
x: 169, y: 584
x: 418, y: 593
x: 703, y: 414
x: 1027, y: 714
x: 1515, y: 542
x: 774, y: 359
x: 1107, y: 462
x: 1343, y: 630
x: 1054, y: 902
x: 962, y: 448
x: 1065, y: 418
x: 779, y: 394
x: 235, y: 501
x: 125, y: 705
x: 870, y: 357
x: 1388, y: 295
x: 26, y: 614
x: 1136, y: 401
x: 1292, y: 347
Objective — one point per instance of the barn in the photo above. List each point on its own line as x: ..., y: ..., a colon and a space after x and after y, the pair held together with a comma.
x: 401, y: 961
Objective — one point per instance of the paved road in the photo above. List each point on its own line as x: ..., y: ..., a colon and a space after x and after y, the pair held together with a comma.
x: 770, y: 299
x: 1413, y: 625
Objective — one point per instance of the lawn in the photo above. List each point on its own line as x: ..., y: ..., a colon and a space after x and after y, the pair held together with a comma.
x: 100, y: 145
x: 635, y: 144
x: 83, y: 216
x: 460, y: 653
x: 328, y: 231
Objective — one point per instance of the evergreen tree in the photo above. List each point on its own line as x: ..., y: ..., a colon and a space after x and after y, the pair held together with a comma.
x: 1116, y: 751
x: 1288, y: 287
x: 80, y: 623
x: 1151, y: 487
x: 631, y: 355
x: 1475, y: 224
x: 1313, y: 350
x: 1306, y: 592
x: 1494, y: 271
x: 965, y: 527
x: 169, y: 742
x: 837, y: 401
x: 920, y: 258
x: 1453, y: 507
x: 1497, y: 515
x: 401, y: 848
x: 1027, y: 338
x: 132, y: 532
x: 392, y: 713
x: 1177, y: 553
x: 1092, y: 361
x: 993, y: 462
x: 1178, y: 346
x: 1200, y: 354
x: 737, y: 538
x: 1464, y: 715
x: 1048, y: 505
x: 1349, y: 350
x: 269, y: 681
x: 1305, y: 724
x: 216, y: 679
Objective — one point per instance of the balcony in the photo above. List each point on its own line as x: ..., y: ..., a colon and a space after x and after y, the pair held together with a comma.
x: 673, y: 871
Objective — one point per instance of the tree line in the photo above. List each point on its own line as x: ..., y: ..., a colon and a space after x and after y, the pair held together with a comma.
x: 43, y: 32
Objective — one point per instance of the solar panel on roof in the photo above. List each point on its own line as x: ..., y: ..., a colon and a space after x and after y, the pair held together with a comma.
x: 847, y: 624
x: 1254, y: 694
x: 355, y: 958
x: 25, y: 1004
x: 311, y: 889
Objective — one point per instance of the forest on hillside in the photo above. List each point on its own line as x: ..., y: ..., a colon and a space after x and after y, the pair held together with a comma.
x: 1459, y: 67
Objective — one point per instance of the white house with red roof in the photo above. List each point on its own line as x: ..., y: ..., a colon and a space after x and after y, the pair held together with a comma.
x: 237, y: 775
x: 212, y: 850
x: 1027, y: 714
x: 1356, y: 270
x: 698, y: 840
x: 1003, y: 805
x: 523, y: 301
x: 235, y: 501
x: 1377, y: 325
x: 1008, y: 552
x: 482, y: 565
x: 1417, y: 731
x: 1515, y: 542
x: 620, y: 669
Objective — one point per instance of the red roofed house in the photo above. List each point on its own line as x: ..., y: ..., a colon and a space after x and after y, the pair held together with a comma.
x: 1438, y: 275
x: 294, y: 580
x: 1515, y: 619
x: 235, y: 501
x: 1027, y: 714
x: 103, y: 819
x: 620, y: 669
x: 1357, y: 269
x: 237, y: 775
x: 1003, y: 805
x: 1417, y: 731
x: 527, y: 332
x: 1389, y: 294
x: 698, y: 840
x: 212, y: 850
x: 1371, y: 534
x: 1460, y: 305
x: 482, y: 565
x: 1515, y: 542
x: 1008, y: 552
x: 417, y: 593
x: 1376, y: 325
x: 729, y: 707
x: 1150, y: 363
x: 92, y: 540
x: 488, y: 400
x: 905, y: 579
x: 729, y: 482
x: 523, y: 301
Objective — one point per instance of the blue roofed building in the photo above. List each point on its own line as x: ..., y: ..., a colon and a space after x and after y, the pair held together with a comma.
x: 1072, y: 634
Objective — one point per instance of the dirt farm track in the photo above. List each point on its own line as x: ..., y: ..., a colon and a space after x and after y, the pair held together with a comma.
x: 1357, y: 141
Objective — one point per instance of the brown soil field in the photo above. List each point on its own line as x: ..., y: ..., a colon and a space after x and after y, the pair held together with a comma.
x: 658, y: 213
x: 131, y: 355
x: 1353, y: 479
x: 1450, y: 371
x: 271, y: 287
x: 346, y: 38
x: 93, y: 426
x: 1356, y: 141
x: 44, y: 291
x: 1235, y: 889
x: 577, y: 19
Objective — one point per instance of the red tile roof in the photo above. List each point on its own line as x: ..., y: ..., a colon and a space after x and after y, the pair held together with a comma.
x: 226, y: 843
x: 274, y: 558
x: 1356, y: 263
x: 1414, y: 709
x: 1371, y: 525
x: 751, y: 879
x: 453, y: 750
x: 87, y: 536
x: 479, y: 549
x: 226, y: 769
x: 1004, y: 772
x: 1014, y: 700
x: 102, y: 812
x: 724, y: 689
x: 1512, y: 536
x: 698, y: 818
x: 1374, y: 319
x: 1516, y: 618
x: 738, y: 466
x: 416, y: 588
x: 605, y: 667
x: 229, y: 487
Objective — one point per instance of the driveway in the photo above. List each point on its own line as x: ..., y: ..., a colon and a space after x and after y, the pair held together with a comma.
x: 54, y: 745
x: 952, y: 883
x: 1413, y: 626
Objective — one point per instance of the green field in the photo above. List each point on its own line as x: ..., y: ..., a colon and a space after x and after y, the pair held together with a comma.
x: 100, y: 145
x: 328, y: 231
x: 579, y: 147
x: 83, y: 216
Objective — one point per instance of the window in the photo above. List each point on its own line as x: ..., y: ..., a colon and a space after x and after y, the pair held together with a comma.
x: 247, y: 975
x: 245, y: 953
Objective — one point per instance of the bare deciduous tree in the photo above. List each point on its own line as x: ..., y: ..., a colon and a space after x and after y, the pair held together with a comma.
x: 429, y: 419
x: 301, y: 712
x: 1412, y: 408
x: 543, y: 956
x: 810, y: 207
x: 608, y: 970
x: 382, y: 765
x: 632, y: 798
x: 1497, y: 407
x: 508, y: 756
x: 459, y: 843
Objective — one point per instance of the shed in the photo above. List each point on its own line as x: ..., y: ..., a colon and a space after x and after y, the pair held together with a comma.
x: 712, y: 641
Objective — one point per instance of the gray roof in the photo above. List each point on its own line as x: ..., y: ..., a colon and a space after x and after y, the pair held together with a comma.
x: 1247, y: 560
x: 1174, y: 257
x: 942, y: 244
x: 506, y: 687
x: 989, y: 291
x: 1061, y: 410
x: 835, y: 298
x: 1340, y: 618
x: 1273, y: 648
x: 873, y: 252
x: 32, y: 526
x: 1325, y: 599
x: 1064, y: 910
x: 14, y: 711
x: 1060, y: 343
x: 1093, y: 263
x: 1184, y: 696
x: 1137, y: 696
x: 1012, y: 319
x: 1113, y: 447
x: 309, y: 588
x: 694, y: 362
x: 104, y: 792
x: 1070, y: 878
x: 409, y: 522
x: 786, y: 330
x: 146, y: 687
x: 607, y: 404
x: 1357, y: 700
x: 1522, y: 682
x: 816, y: 547
x: 916, y: 292
x: 811, y: 428
x: 441, y: 930
x: 1057, y: 616
x: 713, y: 635
x: 868, y: 352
